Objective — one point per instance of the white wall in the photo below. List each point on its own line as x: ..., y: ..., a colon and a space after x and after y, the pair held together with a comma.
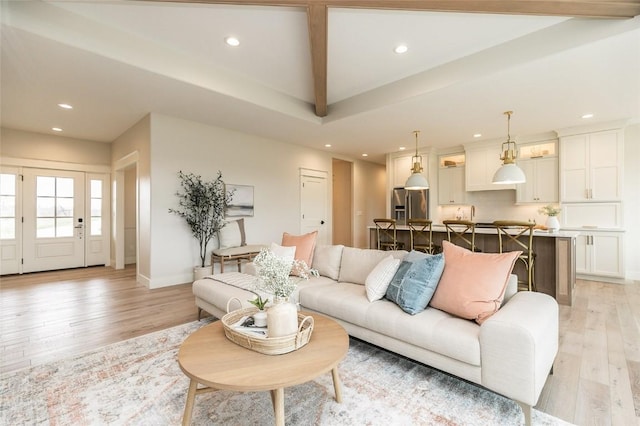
x: 272, y: 167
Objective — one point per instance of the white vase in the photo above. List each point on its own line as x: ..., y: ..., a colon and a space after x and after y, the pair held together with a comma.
x: 260, y: 319
x: 282, y: 319
x: 200, y: 272
x: 553, y: 225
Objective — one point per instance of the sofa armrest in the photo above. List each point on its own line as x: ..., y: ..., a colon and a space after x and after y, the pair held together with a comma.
x: 518, y: 345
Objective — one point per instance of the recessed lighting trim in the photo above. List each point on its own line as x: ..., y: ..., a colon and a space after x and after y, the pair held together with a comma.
x: 232, y: 41
x: 477, y: 135
x: 365, y: 155
x: 401, y: 48
x: 327, y: 145
x: 589, y: 115
x: 65, y: 106
x: 56, y: 129
x: 402, y: 148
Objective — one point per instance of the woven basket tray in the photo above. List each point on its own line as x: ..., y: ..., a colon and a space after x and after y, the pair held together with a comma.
x: 266, y: 345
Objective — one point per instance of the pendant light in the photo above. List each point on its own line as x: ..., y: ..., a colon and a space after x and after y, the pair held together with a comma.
x: 417, y: 180
x: 509, y: 173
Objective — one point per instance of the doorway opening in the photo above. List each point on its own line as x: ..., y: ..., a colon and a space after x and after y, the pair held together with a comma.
x: 342, y: 202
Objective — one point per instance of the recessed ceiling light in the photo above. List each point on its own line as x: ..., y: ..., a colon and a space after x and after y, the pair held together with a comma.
x: 65, y: 106
x: 327, y: 145
x: 402, y: 148
x: 588, y: 115
x: 401, y: 48
x: 232, y: 41
x: 365, y: 155
x: 56, y: 129
x: 477, y: 135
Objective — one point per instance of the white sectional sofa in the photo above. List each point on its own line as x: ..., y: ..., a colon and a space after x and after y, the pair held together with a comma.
x: 511, y: 352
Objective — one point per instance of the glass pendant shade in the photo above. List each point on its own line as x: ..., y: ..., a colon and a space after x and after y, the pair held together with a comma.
x: 417, y: 180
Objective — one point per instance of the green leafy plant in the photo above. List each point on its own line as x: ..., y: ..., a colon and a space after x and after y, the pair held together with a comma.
x: 550, y: 210
x: 202, y: 204
x: 259, y: 302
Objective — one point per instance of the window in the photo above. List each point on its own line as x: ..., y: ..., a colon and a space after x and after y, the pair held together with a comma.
x: 54, y: 207
x: 96, y: 207
x: 7, y: 206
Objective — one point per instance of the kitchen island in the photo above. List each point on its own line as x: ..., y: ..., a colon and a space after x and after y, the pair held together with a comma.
x: 555, y: 267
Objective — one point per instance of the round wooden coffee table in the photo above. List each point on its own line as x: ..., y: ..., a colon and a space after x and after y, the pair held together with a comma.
x: 207, y: 357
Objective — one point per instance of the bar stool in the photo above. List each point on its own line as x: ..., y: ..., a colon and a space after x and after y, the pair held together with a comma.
x: 421, y: 235
x: 462, y: 233
x: 387, y: 235
x: 518, y: 235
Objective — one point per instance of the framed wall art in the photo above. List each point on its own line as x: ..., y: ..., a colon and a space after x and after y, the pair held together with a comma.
x: 241, y: 204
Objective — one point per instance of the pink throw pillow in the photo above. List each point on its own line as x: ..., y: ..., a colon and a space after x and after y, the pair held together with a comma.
x: 472, y: 284
x: 305, y: 245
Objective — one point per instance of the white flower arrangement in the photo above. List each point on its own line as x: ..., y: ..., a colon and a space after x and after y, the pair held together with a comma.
x: 273, y: 273
x: 549, y: 210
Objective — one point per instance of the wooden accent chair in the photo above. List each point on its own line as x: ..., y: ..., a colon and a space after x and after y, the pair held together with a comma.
x: 461, y: 233
x: 518, y: 235
x: 421, y: 235
x: 387, y: 235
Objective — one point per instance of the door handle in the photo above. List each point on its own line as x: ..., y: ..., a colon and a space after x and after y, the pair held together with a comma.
x: 322, y: 222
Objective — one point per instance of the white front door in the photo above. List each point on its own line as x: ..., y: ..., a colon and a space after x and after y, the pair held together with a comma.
x: 313, y: 204
x: 10, y: 221
x: 54, y: 220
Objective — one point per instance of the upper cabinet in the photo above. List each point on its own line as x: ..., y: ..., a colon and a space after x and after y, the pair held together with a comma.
x: 482, y: 161
x: 451, y: 185
x: 591, y: 167
x: 401, y: 170
x: 539, y: 162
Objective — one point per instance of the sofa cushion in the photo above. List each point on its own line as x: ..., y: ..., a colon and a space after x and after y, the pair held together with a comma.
x: 326, y: 260
x: 416, y: 287
x: 232, y: 234
x: 379, y: 278
x: 304, y: 244
x: 357, y: 264
x: 473, y: 284
x: 430, y: 329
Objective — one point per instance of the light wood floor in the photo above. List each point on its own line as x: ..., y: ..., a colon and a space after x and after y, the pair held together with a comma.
x: 50, y: 315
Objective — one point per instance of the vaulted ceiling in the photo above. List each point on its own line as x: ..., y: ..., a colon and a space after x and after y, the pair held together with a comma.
x: 321, y: 72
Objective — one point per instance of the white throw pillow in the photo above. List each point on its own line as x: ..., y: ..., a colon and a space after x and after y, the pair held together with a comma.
x: 286, y: 253
x: 326, y: 260
x: 379, y: 278
x: 231, y: 235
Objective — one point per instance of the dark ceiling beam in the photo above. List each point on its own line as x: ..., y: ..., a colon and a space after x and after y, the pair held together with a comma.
x: 317, y: 21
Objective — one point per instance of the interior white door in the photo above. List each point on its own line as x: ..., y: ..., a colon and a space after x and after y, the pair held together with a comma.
x: 53, y: 211
x: 10, y: 220
x: 313, y: 204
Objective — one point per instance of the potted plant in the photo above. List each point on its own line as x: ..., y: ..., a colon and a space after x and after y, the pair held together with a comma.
x: 202, y: 204
x: 260, y: 318
x: 552, y: 212
x: 280, y: 277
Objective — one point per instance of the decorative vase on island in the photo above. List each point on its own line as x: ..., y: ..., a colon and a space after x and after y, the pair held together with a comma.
x: 282, y: 318
x: 553, y: 225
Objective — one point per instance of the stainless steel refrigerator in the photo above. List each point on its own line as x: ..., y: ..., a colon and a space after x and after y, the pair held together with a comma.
x: 409, y: 205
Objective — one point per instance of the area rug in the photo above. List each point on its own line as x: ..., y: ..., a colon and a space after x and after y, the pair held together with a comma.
x: 139, y: 382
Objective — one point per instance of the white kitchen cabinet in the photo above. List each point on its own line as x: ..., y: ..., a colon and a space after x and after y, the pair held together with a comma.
x: 401, y: 170
x: 481, y: 164
x: 591, y: 167
x: 451, y: 188
x: 542, y: 181
x: 600, y: 253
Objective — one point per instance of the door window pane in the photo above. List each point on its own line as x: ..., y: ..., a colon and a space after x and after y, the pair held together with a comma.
x: 46, y: 227
x: 45, y: 186
x: 64, y: 207
x: 96, y: 226
x: 64, y: 187
x: 64, y: 227
x: 45, y: 207
x: 7, y: 206
x: 7, y: 184
x: 7, y: 228
x: 96, y: 207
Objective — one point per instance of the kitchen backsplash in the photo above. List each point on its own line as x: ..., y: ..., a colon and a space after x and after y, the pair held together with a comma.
x: 490, y: 206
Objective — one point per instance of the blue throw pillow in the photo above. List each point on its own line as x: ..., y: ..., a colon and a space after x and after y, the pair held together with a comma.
x: 415, y: 255
x: 412, y: 289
